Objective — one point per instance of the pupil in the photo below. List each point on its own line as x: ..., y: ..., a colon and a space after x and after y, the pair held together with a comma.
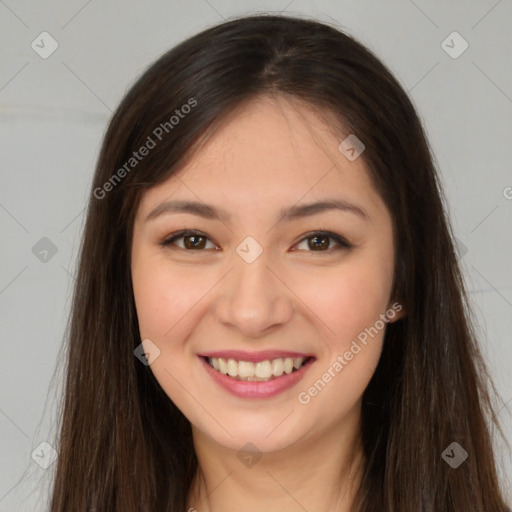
x: 193, y: 245
x: 194, y: 242
x: 324, y: 245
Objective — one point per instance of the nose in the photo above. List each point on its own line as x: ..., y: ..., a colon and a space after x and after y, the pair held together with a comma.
x: 253, y: 299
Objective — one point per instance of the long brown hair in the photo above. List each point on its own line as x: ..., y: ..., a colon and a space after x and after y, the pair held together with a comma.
x: 123, y: 445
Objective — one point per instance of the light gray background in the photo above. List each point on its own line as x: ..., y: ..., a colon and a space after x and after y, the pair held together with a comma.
x: 54, y: 111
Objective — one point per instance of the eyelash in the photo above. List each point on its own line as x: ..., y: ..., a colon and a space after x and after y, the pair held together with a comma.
x: 342, y: 243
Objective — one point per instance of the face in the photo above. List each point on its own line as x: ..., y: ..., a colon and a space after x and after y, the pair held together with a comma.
x: 265, y: 324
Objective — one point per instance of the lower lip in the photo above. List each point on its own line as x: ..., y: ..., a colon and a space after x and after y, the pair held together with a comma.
x: 248, y: 389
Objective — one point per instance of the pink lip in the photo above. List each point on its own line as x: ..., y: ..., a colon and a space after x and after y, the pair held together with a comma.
x: 247, y: 389
x: 253, y: 357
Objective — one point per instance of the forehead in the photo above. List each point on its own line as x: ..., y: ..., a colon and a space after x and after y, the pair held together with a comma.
x: 271, y: 150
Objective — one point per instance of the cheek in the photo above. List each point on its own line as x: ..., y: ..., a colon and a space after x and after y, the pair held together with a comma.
x: 163, y: 297
x: 164, y: 302
x: 351, y: 309
x: 350, y: 304
x: 151, y: 293
x: 350, y: 299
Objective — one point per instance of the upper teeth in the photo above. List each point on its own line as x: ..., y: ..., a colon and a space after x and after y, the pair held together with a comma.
x: 261, y: 370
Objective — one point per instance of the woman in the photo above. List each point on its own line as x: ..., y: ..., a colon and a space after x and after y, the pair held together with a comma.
x: 269, y: 313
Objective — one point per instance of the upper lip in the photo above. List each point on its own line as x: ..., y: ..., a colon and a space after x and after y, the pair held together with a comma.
x: 241, y: 355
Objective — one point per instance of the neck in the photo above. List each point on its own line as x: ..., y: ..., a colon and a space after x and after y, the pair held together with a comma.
x: 320, y: 472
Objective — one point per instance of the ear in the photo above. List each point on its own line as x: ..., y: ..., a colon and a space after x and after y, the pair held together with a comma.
x: 395, y: 311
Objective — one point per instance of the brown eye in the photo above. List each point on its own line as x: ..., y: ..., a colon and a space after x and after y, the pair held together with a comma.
x: 192, y: 240
x: 321, y: 242
x: 197, y: 241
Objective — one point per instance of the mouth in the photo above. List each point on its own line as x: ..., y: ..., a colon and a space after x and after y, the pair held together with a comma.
x: 256, y: 375
x: 259, y: 371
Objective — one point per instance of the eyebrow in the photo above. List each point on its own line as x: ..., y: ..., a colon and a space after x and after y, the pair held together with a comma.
x: 291, y: 213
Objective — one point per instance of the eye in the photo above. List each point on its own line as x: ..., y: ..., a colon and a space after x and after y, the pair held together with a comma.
x: 320, y: 241
x: 194, y: 240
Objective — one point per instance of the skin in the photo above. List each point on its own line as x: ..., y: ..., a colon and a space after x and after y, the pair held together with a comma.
x: 270, y: 154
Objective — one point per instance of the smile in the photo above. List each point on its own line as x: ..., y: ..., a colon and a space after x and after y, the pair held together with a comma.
x: 261, y: 371
x: 256, y: 375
